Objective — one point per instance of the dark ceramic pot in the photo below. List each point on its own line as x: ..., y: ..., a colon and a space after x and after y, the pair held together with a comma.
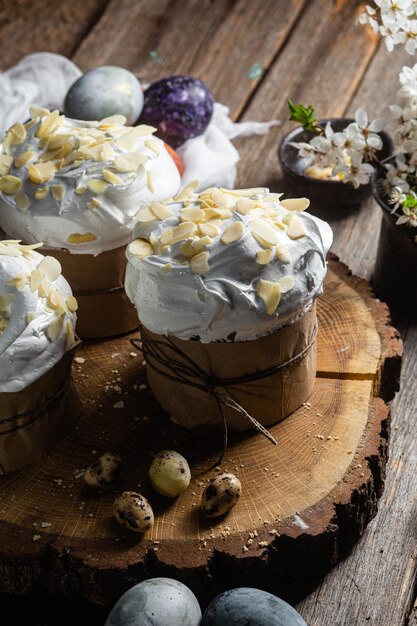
x: 395, y: 274
x: 323, y: 192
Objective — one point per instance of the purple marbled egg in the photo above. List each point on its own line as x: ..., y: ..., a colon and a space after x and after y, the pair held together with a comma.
x: 179, y: 106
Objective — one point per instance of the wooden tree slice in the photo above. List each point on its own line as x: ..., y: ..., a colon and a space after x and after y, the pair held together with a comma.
x: 304, y: 503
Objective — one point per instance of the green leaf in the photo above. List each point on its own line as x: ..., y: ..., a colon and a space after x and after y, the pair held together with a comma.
x: 410, y: 201
x: 306, y: 116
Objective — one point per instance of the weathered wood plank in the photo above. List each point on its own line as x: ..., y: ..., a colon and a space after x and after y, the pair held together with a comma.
x: 217, y: 41
x: 37, y: 25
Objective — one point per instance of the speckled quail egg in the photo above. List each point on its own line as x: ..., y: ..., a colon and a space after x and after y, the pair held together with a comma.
x: 169, y: 473
x: 105, y: 472
x: 245, y: 605
x: 156, y: 602
x: 105, y: 91
x: 220, y: 495
x: 134, y: 511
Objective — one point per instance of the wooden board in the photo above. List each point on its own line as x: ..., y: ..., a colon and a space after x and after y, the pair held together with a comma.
x: 309, y: 499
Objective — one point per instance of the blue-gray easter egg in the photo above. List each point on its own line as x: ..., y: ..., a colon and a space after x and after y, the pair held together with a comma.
x: 105, y: 91
x: 245, y: 606
x: 156, y: 602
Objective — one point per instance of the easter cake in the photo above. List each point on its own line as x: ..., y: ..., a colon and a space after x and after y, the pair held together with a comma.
x: 76, y: 186
x: 225, y: 284
x: 37, y: 340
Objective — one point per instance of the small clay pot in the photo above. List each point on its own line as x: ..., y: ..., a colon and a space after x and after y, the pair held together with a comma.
x: 394, y: 278
x: 323, y: 192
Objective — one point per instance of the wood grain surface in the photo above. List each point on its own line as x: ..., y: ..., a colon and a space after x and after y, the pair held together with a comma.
x: 314, y: 53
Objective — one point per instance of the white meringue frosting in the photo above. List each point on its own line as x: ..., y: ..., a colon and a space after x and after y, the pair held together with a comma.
x: 225, y: 264
x: 77, y: 185
x: 37, y: 315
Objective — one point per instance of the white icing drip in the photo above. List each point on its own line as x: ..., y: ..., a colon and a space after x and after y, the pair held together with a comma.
x: 111, y: 222
x: 223, y: 301
x: 26, y: 350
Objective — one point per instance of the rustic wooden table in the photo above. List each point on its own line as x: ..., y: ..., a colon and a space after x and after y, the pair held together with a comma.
x: 255, y: 54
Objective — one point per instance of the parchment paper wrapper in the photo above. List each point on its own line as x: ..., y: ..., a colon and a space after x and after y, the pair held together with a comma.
x: 97, y: 282
x: 268, y: 400
x: 28, y: 438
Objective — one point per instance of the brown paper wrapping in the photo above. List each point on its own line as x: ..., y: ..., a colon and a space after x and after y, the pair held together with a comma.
x: 268, y: 400
x: 26, y: 439
x: 104, y: 310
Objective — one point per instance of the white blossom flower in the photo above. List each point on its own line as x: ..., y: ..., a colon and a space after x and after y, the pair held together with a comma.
x: 359, y: 174
x: 394, y: 21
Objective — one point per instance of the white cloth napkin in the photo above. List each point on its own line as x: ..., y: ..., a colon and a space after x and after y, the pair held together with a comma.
x: 43, y: 78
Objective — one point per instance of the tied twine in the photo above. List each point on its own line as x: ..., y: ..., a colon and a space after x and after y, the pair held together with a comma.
x: 34, y: 414
x: 187, y: 372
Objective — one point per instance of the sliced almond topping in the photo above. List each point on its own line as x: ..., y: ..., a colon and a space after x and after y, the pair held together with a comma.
x: 18, y: 132
x: 143, y: 129
x: 58, y: 192
x: 296, y: 228
x: 129, y: 161
x: 127, y: 141
x: 36, y: 111
x: 10, y: 185
x: 55, y: 328
x: 107, y: 153
x: 80, y: 190
x: 30, y: 316
x: 41, y: 172
x: 211, y: 230
x: 185, y: 193
x: 5, y: 164
x: 233, y: 232
x: 160, y: 210
x: 264, y: 233
x: 282, y: 253
x: 140, y: 248
x: 22, y: 201
x: 287, y: 283
x: 167, y: 267
x: 191, y: 247
x: 111, y: 178
x: 69, y: 334
x: 149, y: 179
x: 270, y: 293
x: 213, y: 213
x: 166, y: 236
x: 94, y: 203
x: 24, y: 158
x: 199, y: 263
x: 19, y: 282
x: 44, y: 288
x: 97, y: 186
x: 36, y: 278
x: 72, y: 304
x: 49, y: 124
x: 50, y: 267
x: 41, y: 193
x: 183, y: 231
x: 263, y: 257
x: 152, y: 145
x: 81, y: 238
x: 244, y: 206
x: 192, y: 214
x: 145, y: 215
x: 112, y: 120
x: 295, y: 204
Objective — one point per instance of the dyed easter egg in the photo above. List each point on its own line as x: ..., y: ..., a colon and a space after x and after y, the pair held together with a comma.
x: 180, y: 107
x: 103, y: 92
x: 157, y: 601
x: 253, y: 607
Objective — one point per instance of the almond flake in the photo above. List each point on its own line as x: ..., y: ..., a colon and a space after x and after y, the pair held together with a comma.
x: 55, y: 327
x: 270, y: 293
x: 233, y: 232
x: 143, y: 129
x: 223, y: 214
x: 145, y: 215
x: 129, y: 161
x: 41, y: 193
x: 244, y: 206
x: 192, y: 214
x: 160, y: 210
x: 112, y: 120
x: 41, y: 172
x: 140, y: 248
x: 150, y: 185
x: 191, y: 247
x: 44, y: 288
x: 50, y: 267
x: 286, y: 283
x: 23, y: 158
x: 264, y: 233
x: 18, y: 132
x: 296, y: 228
x: 199, y: 263
x: 295, y: 204
x: 111, y: 178
x: 58, y: 192
x: 97, y: 186
x: 107, y: 153
x: 5, y: 164
x: 49, y: 124
x: 10, y: 185
x: 184, y: 194
x: 183, y: 231
x: 81, y: 238
x: 282, y: 253
x: 36, y: 111
x: 166, y: 236
x: 152, y: 145
x: 167, y: 267
x: 80, y: 190
x: 211, y: 230
x: 30, y: 316
x: 69, y: 335
x: 72, y: 304
x: 22, y: 201
x: 263, y: 257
